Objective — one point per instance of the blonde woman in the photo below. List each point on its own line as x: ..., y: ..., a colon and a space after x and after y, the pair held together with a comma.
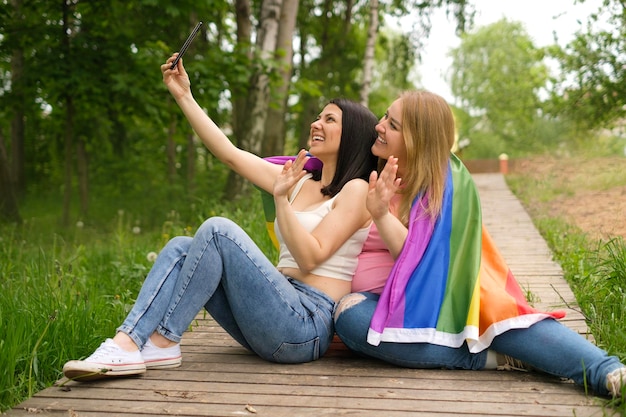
x: 431, y: 290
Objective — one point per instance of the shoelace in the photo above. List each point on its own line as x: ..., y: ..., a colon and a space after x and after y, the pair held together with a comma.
x: 512, y: 364
x: 103, y: 352
x: 615, y: 380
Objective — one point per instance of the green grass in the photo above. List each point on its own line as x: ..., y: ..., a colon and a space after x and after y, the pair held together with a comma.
x: 63, y: 291
x: 596, y: 272
x: 594, y: 268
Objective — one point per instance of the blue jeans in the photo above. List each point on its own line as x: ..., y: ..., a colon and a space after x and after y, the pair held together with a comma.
x: 547, y: 346
x: 222, y: 270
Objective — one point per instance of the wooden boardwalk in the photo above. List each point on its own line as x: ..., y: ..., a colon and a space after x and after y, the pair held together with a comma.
x: 219, y: 378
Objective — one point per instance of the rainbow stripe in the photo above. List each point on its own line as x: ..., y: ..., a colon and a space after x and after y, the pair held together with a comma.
x: 450, y: 284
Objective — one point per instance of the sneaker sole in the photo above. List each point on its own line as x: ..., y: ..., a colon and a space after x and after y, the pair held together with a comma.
x: 79, y: 371
x: 164, y: 363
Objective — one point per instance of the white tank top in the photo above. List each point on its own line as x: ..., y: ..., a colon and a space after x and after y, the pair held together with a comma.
x: 343, y: 263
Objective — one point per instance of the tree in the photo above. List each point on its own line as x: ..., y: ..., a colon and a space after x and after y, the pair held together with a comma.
x: 497, y: 74
x: 82, y: 107
x: 274, y: 131
x: 590, y: 85
x: 8, y: 203
x: 254, y: 122
x: 395, y: 59
x: 370, y: 46
x: 331, y: 50
x: 258, y: 99
x: 19, y: 116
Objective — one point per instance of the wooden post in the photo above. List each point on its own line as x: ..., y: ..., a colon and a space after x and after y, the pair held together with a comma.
x: 504, y: 163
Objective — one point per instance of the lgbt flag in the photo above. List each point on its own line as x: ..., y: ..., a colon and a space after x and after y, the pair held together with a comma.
x: 450, y: 284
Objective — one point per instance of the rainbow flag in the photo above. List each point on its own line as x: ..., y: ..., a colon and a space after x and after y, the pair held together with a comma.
x: 450, y: 284
x: 269, y: 209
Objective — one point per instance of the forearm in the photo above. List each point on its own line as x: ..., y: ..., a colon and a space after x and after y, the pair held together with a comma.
x: 211, y: 135
x: 392, y: 232
x: 246, y: 164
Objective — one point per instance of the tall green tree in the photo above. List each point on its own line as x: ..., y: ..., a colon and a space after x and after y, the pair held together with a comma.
x: 395, y: 60
x: 9, y: 208
x: 90, y: 75
x: 276, y: 26
x: 82, y: 105
x: 590, y: 85
x: 275, y: 126
x: 497, y: 74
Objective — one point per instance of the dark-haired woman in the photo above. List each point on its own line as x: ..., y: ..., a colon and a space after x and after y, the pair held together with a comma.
x: 281, y: 312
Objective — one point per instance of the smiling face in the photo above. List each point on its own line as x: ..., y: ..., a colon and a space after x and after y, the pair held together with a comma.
x: 326, y: 133
x: 390, y: 139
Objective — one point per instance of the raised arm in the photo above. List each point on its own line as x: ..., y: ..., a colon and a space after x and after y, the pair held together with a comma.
x: 246, y: 164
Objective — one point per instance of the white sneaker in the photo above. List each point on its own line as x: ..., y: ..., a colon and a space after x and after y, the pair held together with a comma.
x: 509, y: 363
x: 615, y: 381
x: 161, y: 358
x: 107, y: 361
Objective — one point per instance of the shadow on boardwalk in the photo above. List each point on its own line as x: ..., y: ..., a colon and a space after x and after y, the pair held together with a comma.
x: 219, y: 378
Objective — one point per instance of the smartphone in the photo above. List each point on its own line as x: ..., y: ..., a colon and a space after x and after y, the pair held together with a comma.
x: 183, y: 49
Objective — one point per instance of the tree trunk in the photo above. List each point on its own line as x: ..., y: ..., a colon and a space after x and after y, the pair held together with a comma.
x: 17, y: 121
x: 305, y: 99
x: 240, y: 104
x: 191, y: 163
x: 83, y: 180
x: 171, y: 151
x: 253, y: 123
x: 368, y: 62
x: 274, y: 136
x: 69, y: 140
x: 244, y: 35
x: 8, y: 202
x: 69, y: 120
x: 310, y: 110
x: 258, y: 98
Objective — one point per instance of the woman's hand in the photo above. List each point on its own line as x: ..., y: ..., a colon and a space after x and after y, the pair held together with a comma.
x: 292, y: 172
x: 176, y: 80
x: 382, y: 188
x: 250, y: 166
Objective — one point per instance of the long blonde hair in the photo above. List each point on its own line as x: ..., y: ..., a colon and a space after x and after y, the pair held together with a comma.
x: 428, y: 130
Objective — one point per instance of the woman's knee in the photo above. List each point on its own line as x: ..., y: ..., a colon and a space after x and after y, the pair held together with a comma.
x: 347, y: 302
x: 214, y: 225
x: 179, y: 241
x: 176, y: 246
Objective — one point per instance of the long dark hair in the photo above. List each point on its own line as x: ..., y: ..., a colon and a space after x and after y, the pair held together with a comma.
x: 358, y: 133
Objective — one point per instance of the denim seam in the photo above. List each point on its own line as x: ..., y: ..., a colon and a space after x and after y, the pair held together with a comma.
x: 130, y: 330
x: 162, y: 329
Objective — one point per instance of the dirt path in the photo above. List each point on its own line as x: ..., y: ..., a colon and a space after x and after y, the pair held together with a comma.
x: 591, y: 193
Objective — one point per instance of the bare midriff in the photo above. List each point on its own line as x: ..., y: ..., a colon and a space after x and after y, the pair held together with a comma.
x: 334, y: 288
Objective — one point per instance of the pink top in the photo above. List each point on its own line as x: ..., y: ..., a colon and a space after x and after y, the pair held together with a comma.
x: 375, y: 261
